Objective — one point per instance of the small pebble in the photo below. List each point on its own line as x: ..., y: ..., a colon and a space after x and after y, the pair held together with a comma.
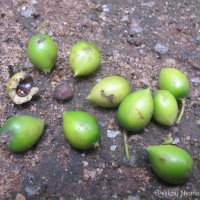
x: 160, y: 48
x: 148, y: 4
x: 124, y: 18
x: 170, y: 62
x: 198, y: 38
x: 176, y: 141
x: 93, y: 16
x: 141, y: 50
x: 198, y: 48
x: 112, y: 133
x: 20, y: 197
x: 27, y: 12
x: 31, y: 190
x: 102, y: 123
x: 63, y: 91
x: 106, y: 8
x: 133, y: 198
x: 195, y: 79
x: 175, y: 129
x: 85, y: 163
x: 114, y: 196
x: 113, y: 147
x: 135, y: 26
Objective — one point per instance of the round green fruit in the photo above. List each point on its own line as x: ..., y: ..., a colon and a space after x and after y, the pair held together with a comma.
x: 174, y: 81
x: 172, y: 164
x: 21, y: 132
x: 81, y: 129
x: 42, y: 52
x: 165, y: 107
x: 110, y: 91
x: 136, y: 110
x: 84, y: 58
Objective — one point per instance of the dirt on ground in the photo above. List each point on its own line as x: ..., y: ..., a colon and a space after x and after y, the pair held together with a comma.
x: 137, y: 39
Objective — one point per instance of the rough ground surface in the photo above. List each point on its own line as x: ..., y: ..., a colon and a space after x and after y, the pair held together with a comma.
x: 137, y: 38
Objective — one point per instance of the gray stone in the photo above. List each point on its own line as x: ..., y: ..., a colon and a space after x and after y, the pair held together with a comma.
x: 160, y: 48
x: 27, y: 12
x: 133, y: 198
x: 195, y: 79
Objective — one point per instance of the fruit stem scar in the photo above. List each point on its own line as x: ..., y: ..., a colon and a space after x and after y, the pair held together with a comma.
x: 140, y: 114
x: 182, y: 111
x: 41, y: 40
x: 162, y: 160
x: 87, y: 49
x: 108, y: 97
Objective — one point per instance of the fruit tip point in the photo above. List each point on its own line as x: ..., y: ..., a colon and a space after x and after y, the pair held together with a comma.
x: 96, y: 145
x: 88, y: 97
x: 148, y: 148
x: 76, y: 74
x: 46, y: 71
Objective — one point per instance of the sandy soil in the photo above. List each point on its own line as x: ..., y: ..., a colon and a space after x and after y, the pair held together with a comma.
x: 137, y: 39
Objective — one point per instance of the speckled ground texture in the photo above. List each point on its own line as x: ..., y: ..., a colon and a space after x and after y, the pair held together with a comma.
x: 137, y: 39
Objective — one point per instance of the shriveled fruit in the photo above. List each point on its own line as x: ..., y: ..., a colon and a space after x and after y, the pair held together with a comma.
x: 20, y: 88
x: 42, y: 52
x: 165, y: 107
x: 84, y: 58
x: 21, y: 132
x: 81, y: 129
x: 172, y: 164
x: 110, y: 91
x: 63, y: 91
x: 136, y: 110
x: 177, y: 83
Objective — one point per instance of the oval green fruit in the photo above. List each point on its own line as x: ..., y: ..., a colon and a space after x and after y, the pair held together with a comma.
x: 42, y: 52
x: 174, y: 81
x: 21, y: 132
x: 110, y: 91
x: 81, y: 129
x: 84, y: 58
x: 165, y: 107
x: 136, y: 110
x: 172, y: 164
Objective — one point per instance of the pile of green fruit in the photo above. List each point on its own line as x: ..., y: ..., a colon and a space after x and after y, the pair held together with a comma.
x: 81, y: 129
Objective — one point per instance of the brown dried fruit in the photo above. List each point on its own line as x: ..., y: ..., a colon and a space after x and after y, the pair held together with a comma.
x: 63, y: 91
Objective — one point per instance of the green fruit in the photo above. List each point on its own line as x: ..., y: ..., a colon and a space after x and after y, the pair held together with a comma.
x: 174, y: 81
x: 165, y: 107
x: 21, y: 132
x: 110, y: 91
x: 84, y: 58
x: 42, y: 52
x: 81, y: 129
x: 136, y: 110
x: 172, y: 164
